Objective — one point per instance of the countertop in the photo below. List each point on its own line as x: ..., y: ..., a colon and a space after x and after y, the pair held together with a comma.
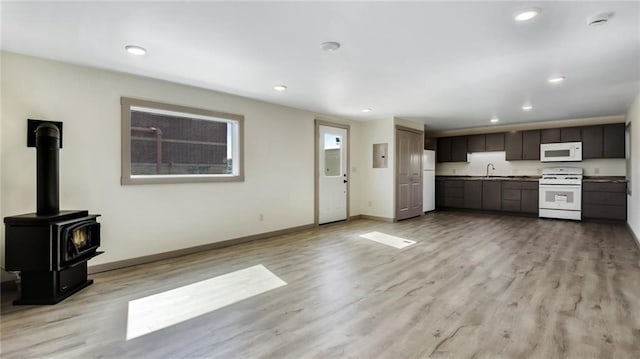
x: 596, y: 179
x: 606, y: 179
x: 491, y: 178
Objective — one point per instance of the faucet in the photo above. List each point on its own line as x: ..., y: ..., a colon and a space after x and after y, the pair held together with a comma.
x: 492, y: 167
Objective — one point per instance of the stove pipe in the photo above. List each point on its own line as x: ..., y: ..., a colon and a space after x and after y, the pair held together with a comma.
x: 48, y: 161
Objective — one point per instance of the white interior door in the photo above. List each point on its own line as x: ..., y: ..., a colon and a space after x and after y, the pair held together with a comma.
x: 332, y: 172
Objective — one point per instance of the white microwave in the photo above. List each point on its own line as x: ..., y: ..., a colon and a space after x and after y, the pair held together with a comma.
x: 561, y: 152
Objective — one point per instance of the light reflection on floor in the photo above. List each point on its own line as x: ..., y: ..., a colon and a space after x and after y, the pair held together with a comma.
x: 387, y: 239
x: 158, y: 311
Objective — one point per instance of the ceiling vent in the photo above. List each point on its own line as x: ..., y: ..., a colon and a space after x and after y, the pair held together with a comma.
x: 600, y: 19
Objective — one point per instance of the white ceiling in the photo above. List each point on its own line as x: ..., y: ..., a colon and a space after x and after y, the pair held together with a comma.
x: 452, y: 65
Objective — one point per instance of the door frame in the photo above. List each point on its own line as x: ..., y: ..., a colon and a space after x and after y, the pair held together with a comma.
x: 316, y: 163
x: 396, y: 168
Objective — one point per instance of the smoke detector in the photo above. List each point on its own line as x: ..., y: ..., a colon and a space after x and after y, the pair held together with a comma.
x: 600, y: 19
x: 330, y: 46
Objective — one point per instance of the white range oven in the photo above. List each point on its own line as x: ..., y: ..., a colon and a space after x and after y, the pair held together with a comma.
x: 560, y: 193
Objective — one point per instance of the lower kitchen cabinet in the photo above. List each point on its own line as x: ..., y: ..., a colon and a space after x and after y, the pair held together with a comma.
x: 491, y: 195
x: 604, y: 200
x: 472, y: 194
x: 529, y: 200
x: 520, y: 196
x: 600, y: 200
x: 450, y: 193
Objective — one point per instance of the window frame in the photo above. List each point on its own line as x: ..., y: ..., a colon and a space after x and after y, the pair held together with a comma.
x: 128, y: 179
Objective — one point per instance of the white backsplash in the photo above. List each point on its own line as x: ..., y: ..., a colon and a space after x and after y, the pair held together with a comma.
x: 477, y: 166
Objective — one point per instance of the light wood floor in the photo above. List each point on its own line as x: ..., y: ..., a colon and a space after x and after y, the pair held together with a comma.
x: 474, y: 286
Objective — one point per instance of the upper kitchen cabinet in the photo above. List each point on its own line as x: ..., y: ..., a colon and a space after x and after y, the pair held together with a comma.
x: 531, y: 145
x: 570, y: 134
x: 605, y: 141
x: 523, y: 145
x: 494, y: 142
x: 444, y: 149
x: 592, y: 142
x: 513, y: 146
x: 430, y: 143
x: 476, y: 143
x: 613, y: 140
x: 599, y: 141
x: 459, y: 149
x: 550, y: 135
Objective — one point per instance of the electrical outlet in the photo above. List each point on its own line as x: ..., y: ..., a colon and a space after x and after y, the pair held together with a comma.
x: 261, y: 217
x: 369, y: 203
x: 454, y: 171
x: 596, y: 170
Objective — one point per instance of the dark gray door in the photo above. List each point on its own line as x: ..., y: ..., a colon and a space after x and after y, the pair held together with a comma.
x: 408, y: 174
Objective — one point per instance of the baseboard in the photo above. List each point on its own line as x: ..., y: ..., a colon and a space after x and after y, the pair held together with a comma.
x: 376, y: 218
x: 191, y: 250
x: 633, y: 235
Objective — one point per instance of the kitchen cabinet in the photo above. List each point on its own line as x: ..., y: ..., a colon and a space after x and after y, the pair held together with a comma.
x: 472, y: 196
x: 491, y: 195
x: 459, y: 149
x: 613, y: 140
x: 570, y: 134
x: 513, y: 146
x: 550, y: 135
x: 592, y: 142
x: 439, y: 193
x: 453, y: 193
x: 604, y: 200
x: 444, y: 149
x: 600, y: 141
x: 494, y: 142
x: 511, y: 196
x: 531, y: 145
x: 520, y: 196
x: 529, y: 198
x: 476, y: 143
x: 430, y: 143
x: 452, y: 149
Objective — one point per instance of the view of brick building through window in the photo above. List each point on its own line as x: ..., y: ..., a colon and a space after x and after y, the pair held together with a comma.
x: 173, y: 145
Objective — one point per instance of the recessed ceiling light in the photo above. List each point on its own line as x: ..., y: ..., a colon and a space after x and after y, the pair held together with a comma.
x: 527, y: 108
x: 135, y: 50
x: 280, y: 87
x: 367, y: 109
x: 527, y: 14
x: 494, y: 120
x: 330, y: 46
x: 556, y: 79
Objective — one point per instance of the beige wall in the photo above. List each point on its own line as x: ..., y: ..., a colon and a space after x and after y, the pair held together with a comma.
x: 375, y: 185
x: 147, y: 219
x: 633, y: 201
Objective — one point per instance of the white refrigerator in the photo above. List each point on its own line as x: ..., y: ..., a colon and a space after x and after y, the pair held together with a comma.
x: 429, y: 181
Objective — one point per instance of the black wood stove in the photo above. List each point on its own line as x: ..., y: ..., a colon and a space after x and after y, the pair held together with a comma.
x: 50, y: 247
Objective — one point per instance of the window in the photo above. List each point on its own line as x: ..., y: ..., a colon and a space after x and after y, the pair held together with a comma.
x: 164, y: 143
x: 332, y: 155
